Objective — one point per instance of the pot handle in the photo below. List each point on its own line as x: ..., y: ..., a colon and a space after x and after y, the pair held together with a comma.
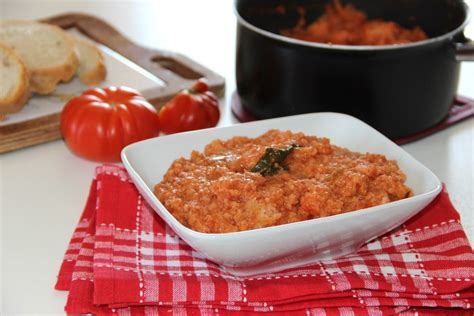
x: 465, y: 51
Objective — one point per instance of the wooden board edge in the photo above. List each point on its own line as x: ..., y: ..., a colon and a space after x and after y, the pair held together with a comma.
x: 26, y: 134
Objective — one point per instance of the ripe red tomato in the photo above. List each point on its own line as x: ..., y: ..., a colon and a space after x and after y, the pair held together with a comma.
x: 191, y: 109
x: 98, y: 124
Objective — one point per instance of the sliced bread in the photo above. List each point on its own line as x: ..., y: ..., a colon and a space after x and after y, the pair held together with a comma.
x: 14, y: 78
x: 47, y: 50
x: 91, y: 68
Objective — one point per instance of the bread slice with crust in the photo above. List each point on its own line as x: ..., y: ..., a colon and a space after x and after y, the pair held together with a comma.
x: 14, y: 79
x: 91, y: 68
x: 47, y: 50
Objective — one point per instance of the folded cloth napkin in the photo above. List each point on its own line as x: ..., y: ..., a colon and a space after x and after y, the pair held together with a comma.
x: 124, y: 260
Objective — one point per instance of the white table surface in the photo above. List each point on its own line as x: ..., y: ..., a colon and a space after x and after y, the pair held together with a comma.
x: 43, y: 188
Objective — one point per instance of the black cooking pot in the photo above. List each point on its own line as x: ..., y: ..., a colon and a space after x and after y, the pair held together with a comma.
x: 398, y: 89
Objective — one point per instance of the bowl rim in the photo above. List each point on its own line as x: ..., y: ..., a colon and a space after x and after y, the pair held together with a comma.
x: 281, y: 38
x: 264, y: 230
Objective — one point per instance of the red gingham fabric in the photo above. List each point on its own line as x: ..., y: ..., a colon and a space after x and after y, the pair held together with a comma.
x: 124, y: 260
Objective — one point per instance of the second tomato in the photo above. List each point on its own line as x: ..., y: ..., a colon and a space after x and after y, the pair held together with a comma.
x: 191, y: 109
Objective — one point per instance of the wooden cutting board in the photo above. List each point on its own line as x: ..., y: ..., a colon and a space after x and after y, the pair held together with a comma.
x: 157, y: 74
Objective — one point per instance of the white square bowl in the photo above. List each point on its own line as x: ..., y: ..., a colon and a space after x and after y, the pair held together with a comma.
x: 275, y: 248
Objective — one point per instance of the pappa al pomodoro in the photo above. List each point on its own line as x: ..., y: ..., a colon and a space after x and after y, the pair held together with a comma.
x: 277, y: 178
x: 344, y: 24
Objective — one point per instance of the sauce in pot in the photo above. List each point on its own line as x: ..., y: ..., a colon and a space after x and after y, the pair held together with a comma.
x: 345, y: 25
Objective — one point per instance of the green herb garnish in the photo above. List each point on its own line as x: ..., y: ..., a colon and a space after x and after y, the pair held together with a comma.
x: 272, y: 161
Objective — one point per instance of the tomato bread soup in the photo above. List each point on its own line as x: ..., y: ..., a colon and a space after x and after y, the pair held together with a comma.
x: 277, y: 178
x: 345, y: 25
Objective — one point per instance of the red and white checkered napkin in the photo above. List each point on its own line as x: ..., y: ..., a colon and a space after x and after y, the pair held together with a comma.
x: 124, y: 260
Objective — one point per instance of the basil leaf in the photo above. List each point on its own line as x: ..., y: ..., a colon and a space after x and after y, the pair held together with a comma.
x: 272, y: 161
